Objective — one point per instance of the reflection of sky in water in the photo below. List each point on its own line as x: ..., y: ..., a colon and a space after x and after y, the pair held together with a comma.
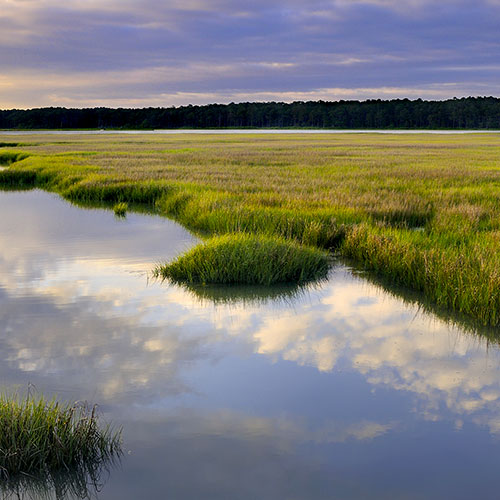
x: 341, y: 392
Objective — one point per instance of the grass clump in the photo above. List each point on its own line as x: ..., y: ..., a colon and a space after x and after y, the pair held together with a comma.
x: 247, y: 259
x: 39, y: 436
x: 120, y: 209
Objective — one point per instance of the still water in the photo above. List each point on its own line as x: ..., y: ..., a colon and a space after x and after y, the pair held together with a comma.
x: 341, y: 391
x: 259, y: 131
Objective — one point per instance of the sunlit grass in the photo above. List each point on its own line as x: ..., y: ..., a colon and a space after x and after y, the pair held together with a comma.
x: 247, y: 259
x: 423, y: 210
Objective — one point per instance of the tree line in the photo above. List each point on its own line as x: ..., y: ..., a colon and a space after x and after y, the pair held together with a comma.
x: 464, y: 113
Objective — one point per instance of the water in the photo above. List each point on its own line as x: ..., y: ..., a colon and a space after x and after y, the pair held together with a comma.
x: 242, y: 131
x: 341, y: 391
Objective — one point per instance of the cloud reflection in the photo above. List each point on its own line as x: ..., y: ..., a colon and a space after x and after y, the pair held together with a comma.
x: 76, y: 320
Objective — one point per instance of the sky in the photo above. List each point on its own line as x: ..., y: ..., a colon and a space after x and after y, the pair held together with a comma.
x: 139, y: 53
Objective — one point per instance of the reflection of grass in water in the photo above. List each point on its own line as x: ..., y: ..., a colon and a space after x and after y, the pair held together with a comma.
x: 249, y: 295
x: 84, y: 481
x: 40, y: 437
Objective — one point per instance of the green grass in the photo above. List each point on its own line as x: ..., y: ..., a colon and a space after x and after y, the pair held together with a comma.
x: 120, y: 209
x: 39, y: 436
x: 247, y: 259
x: 421, y: 210
x: 7, y: 157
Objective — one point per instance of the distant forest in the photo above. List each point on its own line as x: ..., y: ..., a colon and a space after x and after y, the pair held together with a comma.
x: 465, y: 113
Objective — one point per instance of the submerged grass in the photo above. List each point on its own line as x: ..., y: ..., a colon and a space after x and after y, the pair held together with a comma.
x: 421, y: 210
x: 39, y: 436
x: 247, y: 259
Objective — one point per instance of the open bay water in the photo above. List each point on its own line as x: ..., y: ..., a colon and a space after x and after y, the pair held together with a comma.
x: 342, y: 390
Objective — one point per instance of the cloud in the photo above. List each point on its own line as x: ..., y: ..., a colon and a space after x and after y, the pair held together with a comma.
x: 82, y: 53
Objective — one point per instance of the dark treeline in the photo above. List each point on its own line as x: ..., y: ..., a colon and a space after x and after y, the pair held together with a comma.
x: 465, y: 113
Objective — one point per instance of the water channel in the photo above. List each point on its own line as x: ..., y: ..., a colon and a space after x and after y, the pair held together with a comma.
x: 343, y: 390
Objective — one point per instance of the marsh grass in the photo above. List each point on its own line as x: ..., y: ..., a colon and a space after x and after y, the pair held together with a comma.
x: 39, y: 437
x: 421, y: 210
x: 247, y: 259
x: 17, y: 178
x: 7, y: 157
x: 120, y: 209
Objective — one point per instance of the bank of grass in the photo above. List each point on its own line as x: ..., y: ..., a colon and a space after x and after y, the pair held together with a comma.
x: 247, y: 259
x: 421, y: 210
x: 39, y: 436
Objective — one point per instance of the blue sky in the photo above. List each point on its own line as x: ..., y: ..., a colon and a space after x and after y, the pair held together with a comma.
x: 162, y: 53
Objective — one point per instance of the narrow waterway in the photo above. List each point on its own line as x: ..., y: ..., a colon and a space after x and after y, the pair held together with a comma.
x: 339, y: 391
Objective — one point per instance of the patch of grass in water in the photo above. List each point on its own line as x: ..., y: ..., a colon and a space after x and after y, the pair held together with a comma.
x: 40, y: 436
x: 247, y: 259
x: 120, y: 209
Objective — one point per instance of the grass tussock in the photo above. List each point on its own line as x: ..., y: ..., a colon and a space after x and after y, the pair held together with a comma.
x: 420, y: 210
x: 247, y: 259
x: 39, y: 436
x: 120, y: 209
